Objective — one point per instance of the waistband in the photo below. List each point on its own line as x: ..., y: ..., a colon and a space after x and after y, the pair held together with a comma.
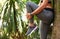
x: 50, y: 9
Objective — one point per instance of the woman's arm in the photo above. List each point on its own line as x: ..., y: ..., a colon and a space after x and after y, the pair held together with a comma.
x: 40, y: 8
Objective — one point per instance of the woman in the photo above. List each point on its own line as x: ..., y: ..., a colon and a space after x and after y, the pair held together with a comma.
x: 44, y: 12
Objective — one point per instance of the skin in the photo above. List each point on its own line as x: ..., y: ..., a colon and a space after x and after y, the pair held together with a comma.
x: 43, y: 5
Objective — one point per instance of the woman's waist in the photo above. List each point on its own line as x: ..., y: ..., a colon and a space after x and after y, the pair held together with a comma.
x: 49, y: 5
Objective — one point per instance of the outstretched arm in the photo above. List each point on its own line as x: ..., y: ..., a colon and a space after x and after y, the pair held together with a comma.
x: 41, y: 7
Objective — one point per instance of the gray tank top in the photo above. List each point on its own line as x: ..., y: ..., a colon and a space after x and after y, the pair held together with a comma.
x: 49, y: 1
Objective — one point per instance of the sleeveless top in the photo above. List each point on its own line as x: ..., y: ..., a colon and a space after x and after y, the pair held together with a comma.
x: 49, y: 1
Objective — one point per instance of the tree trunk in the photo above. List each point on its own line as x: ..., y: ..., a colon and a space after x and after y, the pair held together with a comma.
x: 56, y: 27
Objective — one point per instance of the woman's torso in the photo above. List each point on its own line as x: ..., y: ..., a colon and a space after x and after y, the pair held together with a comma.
x: 49, y: 4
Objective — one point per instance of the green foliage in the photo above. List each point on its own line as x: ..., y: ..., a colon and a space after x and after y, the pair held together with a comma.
x: 36, y: 1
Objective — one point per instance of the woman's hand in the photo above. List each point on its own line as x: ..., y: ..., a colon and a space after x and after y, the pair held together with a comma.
x: 28, y: 16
